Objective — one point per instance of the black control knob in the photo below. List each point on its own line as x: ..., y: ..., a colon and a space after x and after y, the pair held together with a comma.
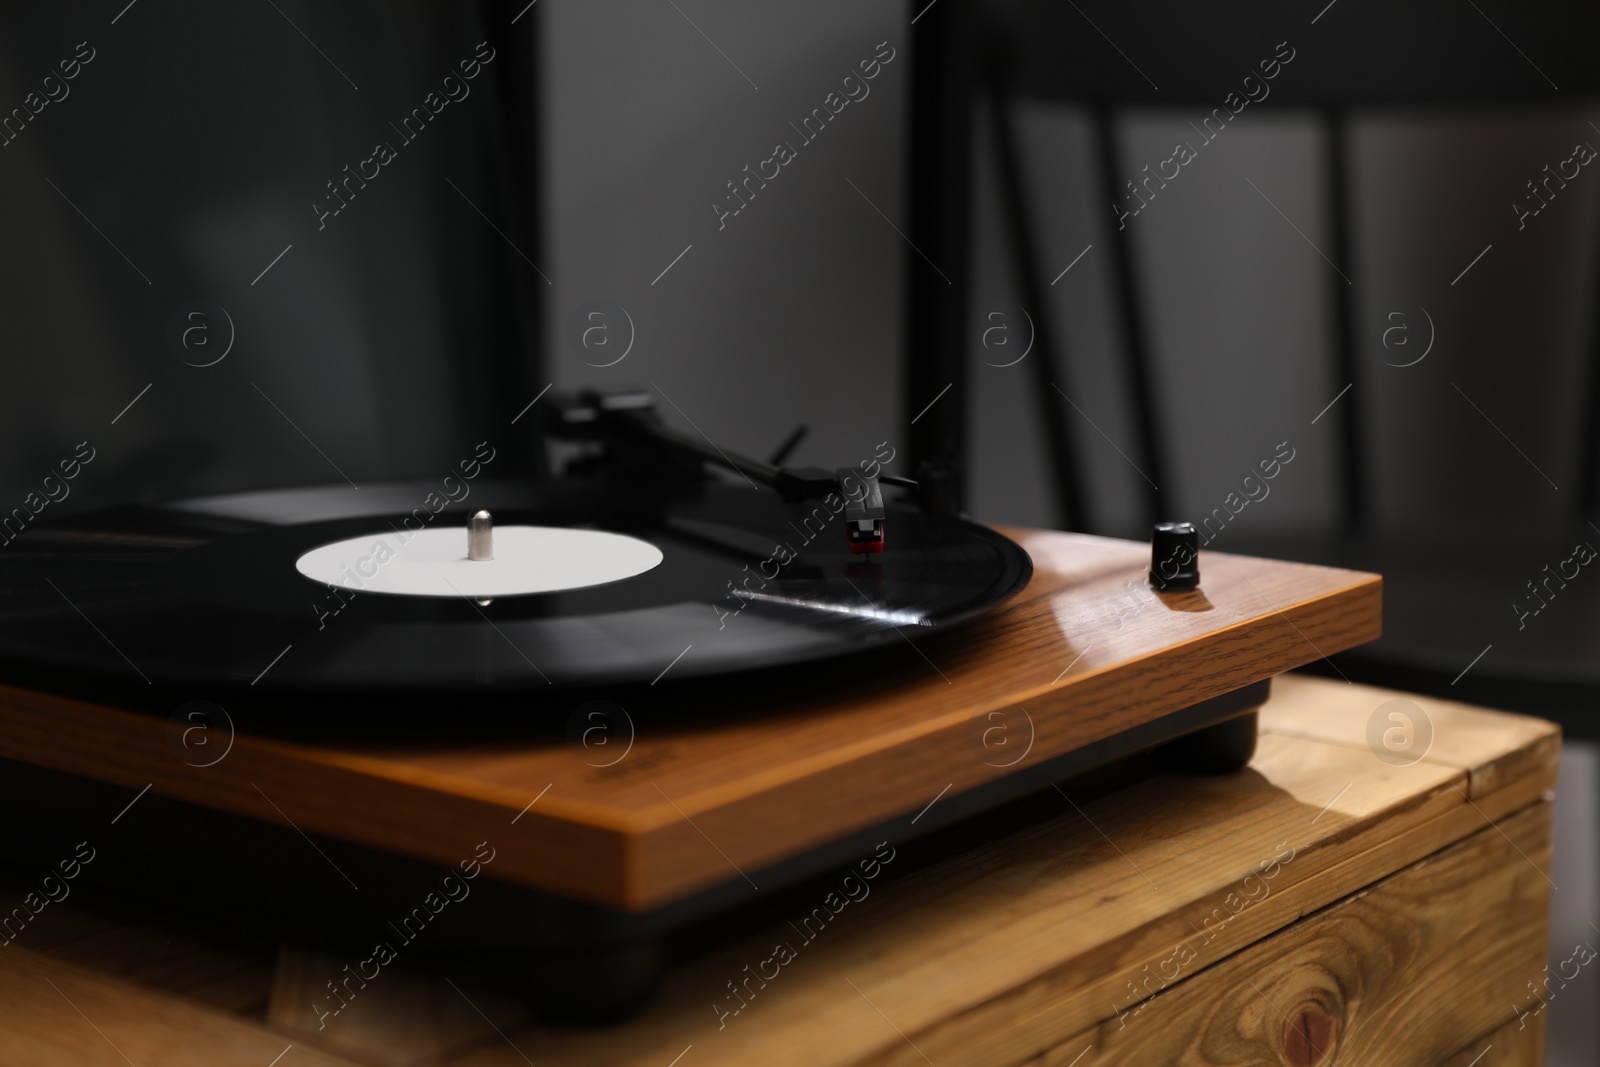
x: 1174, y: 556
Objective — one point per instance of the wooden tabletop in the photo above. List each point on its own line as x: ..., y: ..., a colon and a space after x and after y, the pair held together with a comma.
x: 1407, y: 902
x: 1086, y: 651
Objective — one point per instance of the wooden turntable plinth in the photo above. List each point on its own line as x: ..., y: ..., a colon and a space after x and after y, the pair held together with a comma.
x: 1085, y: 654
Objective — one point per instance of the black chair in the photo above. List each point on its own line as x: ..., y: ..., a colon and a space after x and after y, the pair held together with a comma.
x: 1440, y: 582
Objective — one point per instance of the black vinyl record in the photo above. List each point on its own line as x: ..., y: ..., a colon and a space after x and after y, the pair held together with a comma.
x: 206, y: 592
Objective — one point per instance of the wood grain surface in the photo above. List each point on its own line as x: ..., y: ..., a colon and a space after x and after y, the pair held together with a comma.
x: 1409, y: 916
x: 1510, y: 1045
x: 1520, y: 745
x: 56, y: 1014
x: 418, y: 1016
x: 1391, y: 977
x: 1007, y: 953
x: 1087, y: 651
x: 182, y: 952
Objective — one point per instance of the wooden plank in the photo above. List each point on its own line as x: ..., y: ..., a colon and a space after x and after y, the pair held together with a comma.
x: 1512, y: 1045
x: 1492, y: 751
x: 407, y: 1016
x: 1087, y: 649
x: 1391, y: 977
x: 996, y: 1024
x: 220, y: 966
x: 54, y: 1014
x: 1047, y: 929
x: 873, y: 1018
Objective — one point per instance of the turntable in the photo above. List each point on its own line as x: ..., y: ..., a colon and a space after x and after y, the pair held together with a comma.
x: 603, y: 707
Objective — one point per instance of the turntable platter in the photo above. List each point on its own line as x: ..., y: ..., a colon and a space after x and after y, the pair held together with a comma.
x: 270, y: 589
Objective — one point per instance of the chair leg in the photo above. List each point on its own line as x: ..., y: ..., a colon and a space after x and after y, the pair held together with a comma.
x: 1062, y: 467
x: 1141, y: 377
x: 1352, y: 494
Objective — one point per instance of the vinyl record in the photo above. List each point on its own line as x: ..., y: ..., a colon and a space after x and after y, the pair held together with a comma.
x: 589, y: 585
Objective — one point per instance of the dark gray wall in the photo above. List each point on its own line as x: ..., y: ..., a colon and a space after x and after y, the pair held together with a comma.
x: 786, y: 313
x: 1241, y: 316
x: 791, y: 312
x: 198, y: 137
x: 184, y: 158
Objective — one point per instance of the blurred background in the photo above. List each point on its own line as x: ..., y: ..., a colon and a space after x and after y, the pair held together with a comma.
x: 1370, y: 268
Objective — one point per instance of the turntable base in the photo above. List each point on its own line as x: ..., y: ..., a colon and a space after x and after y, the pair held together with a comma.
x: 1086, y: 652
x: 1405, y: 925
x: 715, y: 807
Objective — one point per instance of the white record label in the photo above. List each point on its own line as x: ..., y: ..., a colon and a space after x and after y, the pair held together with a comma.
x: 433, y: 562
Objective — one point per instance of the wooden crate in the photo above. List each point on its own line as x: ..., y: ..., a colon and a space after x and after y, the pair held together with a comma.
x: 1323, y: 906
